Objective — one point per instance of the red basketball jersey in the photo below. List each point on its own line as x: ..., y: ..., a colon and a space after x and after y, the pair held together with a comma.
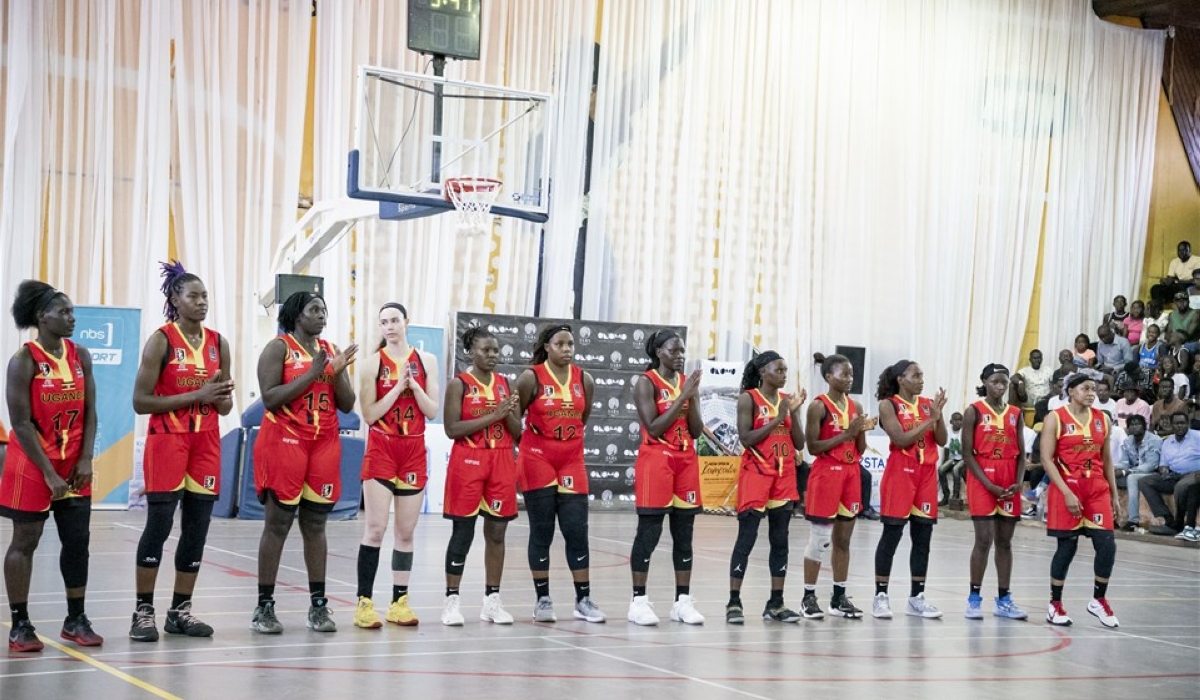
x: 313, y: 414
x: 557, y: 408
x: 775, y: 451
x: 996, y: 433
x: 677, y: 436
x: 404, y: 417
x: 188, y: 368
x: 925, y: 449
x: 836, y: 422
x: 1080, y: 447
x: 56, y: 401
x: 480, y: 399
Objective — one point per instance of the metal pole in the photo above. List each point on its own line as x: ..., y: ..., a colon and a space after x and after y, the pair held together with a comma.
x: 439, y: 69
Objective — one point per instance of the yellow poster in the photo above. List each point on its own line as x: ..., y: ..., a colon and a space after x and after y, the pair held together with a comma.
x: 718, y: 483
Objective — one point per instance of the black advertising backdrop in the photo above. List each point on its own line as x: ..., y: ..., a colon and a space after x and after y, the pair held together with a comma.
x: 615, y: 355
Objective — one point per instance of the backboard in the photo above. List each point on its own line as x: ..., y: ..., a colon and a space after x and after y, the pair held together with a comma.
x: 415, y: 130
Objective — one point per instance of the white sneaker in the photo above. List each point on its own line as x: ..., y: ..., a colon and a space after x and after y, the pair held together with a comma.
x: 880, y: 607
x: 919, y: 607
x: 641, y: 611
x: 1100, y: 608
x: 587, y: 609
x: 684, y: 610
x: 543, y: 611
x: 1056, y: 614
x: 1193, y: 534
x: 493, y: 611
x: 451, y: 615
x: 1184, y: 534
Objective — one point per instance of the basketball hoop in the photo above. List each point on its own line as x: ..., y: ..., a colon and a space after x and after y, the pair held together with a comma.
x: 473, y: 198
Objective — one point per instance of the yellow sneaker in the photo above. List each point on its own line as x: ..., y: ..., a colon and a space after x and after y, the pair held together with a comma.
x: 365, y: 615
x: 399, y: 613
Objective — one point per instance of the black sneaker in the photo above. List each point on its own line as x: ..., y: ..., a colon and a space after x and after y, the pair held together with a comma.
x: 143, y: 628
x: 869, y: 513
x: 842, y: 607
x: 779, y: 612
x: 181, y: 621
x: 23, y: 637
x: 810, y: 608
x: 734, y: 614
x: 1129, y: 526
x: 78, y: 629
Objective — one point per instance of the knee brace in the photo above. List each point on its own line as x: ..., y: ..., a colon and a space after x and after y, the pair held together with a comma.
x: 539, y: 507
x: 820, y: 539
x: 649, y: 530
x: 920, y: 533
x: 885, y: 551
x: 682, y: 524
x: 193, y: 534
x: 746, y: 537
x: 160, y: 516
x: 1063, y: 555
x: 461, y: 536
x: 573, y: 520
x: 74, y: 531
x: 1105, y: 545
x: 777, y: 534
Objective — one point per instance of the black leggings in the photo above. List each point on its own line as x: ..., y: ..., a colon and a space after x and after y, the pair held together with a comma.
x: 1103, y: 542
x: 778, y: 520
x: 75, y: 534
x: 195, y: 517
x: 542, y: 505
x: 920, y: 531
x: 650, y: 530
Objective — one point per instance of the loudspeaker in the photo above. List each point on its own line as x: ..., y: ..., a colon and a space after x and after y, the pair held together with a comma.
x: 287, y: 285
x: 858, y: 360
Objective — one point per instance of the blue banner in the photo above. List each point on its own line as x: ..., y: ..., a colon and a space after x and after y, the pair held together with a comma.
x: 113, y: 337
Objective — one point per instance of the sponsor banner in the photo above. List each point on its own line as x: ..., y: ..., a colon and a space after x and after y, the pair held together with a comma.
x: 113, y: 338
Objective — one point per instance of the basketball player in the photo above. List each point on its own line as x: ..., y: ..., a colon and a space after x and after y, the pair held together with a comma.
x: 483, y: 417
x: 1083, y: 496
x: 304, y: 383
x: 909, y: 490
x: 52, y: 405
x: 184, y: 385
x: 994, y: 452
x: 398, y: 389
x: 769, y: 427
x: 556, y: 397
x: 837, y: 437
x: 666, y: 475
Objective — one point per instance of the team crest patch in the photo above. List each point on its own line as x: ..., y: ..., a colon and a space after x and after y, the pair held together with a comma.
x: 1012, y: 419
x: 926, y: 508
x: 474, y: 390
x: 44, y: 367
x: 212, y: 354
x: 664, y: 395
x: 577, y: 389
x: 327, y: 491
x: 987, y: 419
x: 180, y: 355
x: 497, y: 505
x: 568, y: 482
x: 690, y: 497
x: 548, y: 390
x: 1098, y: 518
x: 210, y: 482
x: 385, y: 373
x: 1008, y: 507
x: 764, y: 411
x: 854, y: 508
x: 1070, y: 428
x: 410, y: 478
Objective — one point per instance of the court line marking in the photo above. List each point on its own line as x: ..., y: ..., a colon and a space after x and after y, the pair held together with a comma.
x: 101, y: 666
x: 60, y: 672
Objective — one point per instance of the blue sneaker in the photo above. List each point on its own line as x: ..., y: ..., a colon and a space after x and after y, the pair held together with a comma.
x: 974, y: 607
x: 1005, y: 607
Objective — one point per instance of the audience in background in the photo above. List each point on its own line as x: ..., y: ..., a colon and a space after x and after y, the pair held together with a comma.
x: 1179, y: 474
x: 1083, y: 355
x: 1134, y: 323
x: 1131, y: 404
x: 1112, y: 351
x: 1115, y: 319
x: 1031, y: 383
x: 1183, y: 319
x: 1138, y: 457
x: 1167, y: 405
x: 1179, y: 273
x: 952, y: 465
x: 1158, y: 312
x: 1151, y: 348
x: 1104, y: 400
x: 1168, y: 368
x: 1044, y: 404
x: 1177, y: 348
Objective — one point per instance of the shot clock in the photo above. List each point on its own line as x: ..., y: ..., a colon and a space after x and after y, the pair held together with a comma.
x: 448, y: 28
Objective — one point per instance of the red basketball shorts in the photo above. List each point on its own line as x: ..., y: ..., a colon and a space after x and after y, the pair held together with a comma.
x: 834, y: 491
x: 543, y: 462
x: 296, y: 469
x: 664, y: 478
x: 24, y: 495
x: 178, y: 463
x: 1094, y: 497
x: 400, y: 461
x: 908, y: 489
x: 981, y: 503
x: 481, y: 481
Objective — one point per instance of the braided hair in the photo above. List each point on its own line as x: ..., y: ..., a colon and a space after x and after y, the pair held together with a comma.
x: 752, y: 375
x: 831, y: 362
x: 472, y: 334
x: 889, y: 380
x: 293, y: 306
x: 174, y: 277
x: 539, y: 352
x: 656, y: 340
x: 33, y: 297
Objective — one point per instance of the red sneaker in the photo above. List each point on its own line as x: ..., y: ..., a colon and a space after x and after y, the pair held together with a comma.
x: 23, y: 637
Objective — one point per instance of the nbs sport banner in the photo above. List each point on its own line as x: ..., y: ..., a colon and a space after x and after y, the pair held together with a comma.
x: 113, y: 337
x: 615, y: 355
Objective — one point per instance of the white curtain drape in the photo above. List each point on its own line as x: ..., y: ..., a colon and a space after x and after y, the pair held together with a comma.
x: 425, y: 264
x: 1100, y: 174
x: 856, y: 172
x: 241, y: 80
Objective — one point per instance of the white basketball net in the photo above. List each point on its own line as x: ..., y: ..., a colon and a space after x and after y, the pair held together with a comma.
x: 473, y: 198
